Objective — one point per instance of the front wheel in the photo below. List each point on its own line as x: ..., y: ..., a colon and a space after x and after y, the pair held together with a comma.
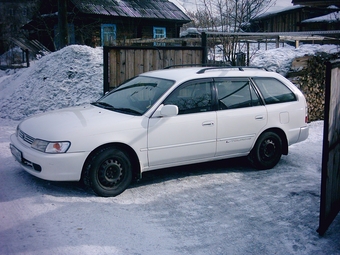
x: 109, y: 172
x: 267, y: 151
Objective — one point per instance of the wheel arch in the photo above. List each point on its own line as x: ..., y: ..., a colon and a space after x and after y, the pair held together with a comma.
x: 283, y: 137
x: 136, y: 172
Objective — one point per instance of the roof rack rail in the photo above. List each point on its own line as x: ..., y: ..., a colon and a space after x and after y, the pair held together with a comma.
x: 202, y: 65
x: 241, y: 68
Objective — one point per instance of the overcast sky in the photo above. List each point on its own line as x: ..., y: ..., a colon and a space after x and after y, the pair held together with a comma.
x: 192, y: 4
x: 281, y: 4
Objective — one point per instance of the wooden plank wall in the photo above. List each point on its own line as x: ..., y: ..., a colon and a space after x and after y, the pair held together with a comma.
x: 330, y: 177
x: 123, y: 63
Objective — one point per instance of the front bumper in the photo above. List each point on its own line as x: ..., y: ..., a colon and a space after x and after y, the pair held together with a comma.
x: 53, y: 167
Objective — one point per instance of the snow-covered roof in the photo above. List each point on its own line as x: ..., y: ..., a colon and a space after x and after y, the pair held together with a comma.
x: 155, y: 9
x: 269, y: 14
x: 197, y: 31
x: 329, y: 18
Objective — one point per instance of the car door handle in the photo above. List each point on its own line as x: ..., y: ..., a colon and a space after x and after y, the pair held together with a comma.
x: 259, y: 117
x: 208, y: 123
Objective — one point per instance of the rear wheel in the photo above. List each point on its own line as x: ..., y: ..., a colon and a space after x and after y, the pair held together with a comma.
x: 109, y: 172
x: 267, y: 151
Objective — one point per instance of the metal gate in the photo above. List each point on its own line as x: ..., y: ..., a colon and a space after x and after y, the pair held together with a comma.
x: 330, y: 178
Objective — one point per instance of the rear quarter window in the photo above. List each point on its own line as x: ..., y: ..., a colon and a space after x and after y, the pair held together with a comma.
x: 274, y: 91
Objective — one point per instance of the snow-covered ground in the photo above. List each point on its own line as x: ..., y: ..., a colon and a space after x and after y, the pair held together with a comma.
x: 224, y: 207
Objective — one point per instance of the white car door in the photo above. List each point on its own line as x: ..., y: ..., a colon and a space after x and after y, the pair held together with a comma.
x: 240, y: 116
x: 189, y: 136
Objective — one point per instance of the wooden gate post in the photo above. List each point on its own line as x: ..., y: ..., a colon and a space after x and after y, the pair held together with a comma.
x: 205, y: 49
x: 330, y: 176
x: 106, y: 69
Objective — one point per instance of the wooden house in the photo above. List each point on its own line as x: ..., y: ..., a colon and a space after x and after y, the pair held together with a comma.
x: 106, y: 22
x: 13, y: 14
x: 320, y: 3
x: 292, y: 19
x: 326, y: 22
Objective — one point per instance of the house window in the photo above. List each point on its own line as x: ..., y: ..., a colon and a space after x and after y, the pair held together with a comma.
x: 159, y: 32
x: 108, y: 34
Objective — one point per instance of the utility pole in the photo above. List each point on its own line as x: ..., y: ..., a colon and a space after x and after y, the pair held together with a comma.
x: 62, y: 23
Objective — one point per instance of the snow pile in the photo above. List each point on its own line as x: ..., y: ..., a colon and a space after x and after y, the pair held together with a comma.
x: 71, y: 76
x: 279, y: 60
x: 275, y: 59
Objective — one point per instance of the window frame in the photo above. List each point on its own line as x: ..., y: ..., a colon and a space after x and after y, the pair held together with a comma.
x: 102, y: 34
x: 251, y: 89
x: 163, y: 35
x: 155, y: 35
x: 195, y: 110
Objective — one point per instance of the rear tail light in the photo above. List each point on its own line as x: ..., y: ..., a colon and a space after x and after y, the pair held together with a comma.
x: 306, y: 115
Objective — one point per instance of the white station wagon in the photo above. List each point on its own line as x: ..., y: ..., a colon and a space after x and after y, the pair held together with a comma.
x: 162, y: 119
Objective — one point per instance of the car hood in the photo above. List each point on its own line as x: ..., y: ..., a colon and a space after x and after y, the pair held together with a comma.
x: 77, y: 121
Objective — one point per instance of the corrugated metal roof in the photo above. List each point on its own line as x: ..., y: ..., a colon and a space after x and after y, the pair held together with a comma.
x: 152, y: 9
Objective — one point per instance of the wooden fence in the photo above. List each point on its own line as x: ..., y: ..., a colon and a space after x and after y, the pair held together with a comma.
x: 124, y: 62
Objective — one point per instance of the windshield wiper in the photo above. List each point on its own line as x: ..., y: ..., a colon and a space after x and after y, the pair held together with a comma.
x: 103, y: 105
x: 138, y: 85
x: 112, y: 108
x: 128, y: 110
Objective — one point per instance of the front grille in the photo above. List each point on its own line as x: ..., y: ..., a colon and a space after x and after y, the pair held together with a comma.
x: 27, y: 138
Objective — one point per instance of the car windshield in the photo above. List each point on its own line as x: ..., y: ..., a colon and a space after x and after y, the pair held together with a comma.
x: 135, y: 96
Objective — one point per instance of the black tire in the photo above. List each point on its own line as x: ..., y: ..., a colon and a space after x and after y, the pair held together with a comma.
x: 267, y: 151
x: 109, y: 172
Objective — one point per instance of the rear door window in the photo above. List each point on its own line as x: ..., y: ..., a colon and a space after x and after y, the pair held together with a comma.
x: 274, y: 91
x: 235, y: 93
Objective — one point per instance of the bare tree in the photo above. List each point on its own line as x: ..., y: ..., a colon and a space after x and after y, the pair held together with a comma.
x: 227, y: 16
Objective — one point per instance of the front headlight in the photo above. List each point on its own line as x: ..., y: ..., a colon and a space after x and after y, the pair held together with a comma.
x: 50, y: 147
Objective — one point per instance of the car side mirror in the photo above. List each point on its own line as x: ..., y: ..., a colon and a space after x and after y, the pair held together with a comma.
x: 169, y: 110
x: 166, y: 111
